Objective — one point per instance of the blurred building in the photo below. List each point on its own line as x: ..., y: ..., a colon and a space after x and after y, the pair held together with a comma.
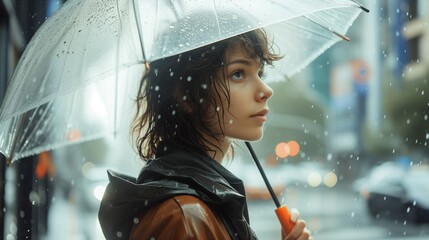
x: 361, y: 81
x: 416, y: 33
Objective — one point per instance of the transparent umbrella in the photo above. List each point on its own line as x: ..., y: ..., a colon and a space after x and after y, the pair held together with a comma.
x: 75, y: 76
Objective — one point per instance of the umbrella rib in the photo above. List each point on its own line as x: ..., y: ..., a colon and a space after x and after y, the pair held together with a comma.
x: 345, y: 38
x: 139, y: 30
x: 15, y: 139
x: 217, y: 18
x: 361, y: 6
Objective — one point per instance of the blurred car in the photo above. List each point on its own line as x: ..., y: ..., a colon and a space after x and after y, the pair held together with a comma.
x: 395, y: 191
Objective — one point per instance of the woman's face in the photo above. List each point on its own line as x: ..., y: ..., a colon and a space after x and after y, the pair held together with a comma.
x: 248, y: 108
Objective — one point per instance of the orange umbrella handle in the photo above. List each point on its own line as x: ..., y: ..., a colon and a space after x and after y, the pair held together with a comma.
x: 284, y: 217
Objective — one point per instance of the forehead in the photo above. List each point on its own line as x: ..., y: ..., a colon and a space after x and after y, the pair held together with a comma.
x: 238, y: 50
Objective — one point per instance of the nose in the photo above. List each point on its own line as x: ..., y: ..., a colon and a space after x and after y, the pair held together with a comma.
x: 265, y: 92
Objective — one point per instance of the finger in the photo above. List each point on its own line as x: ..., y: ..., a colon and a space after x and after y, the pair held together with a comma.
x: 305, y: 235
x: 297, y: 230
x: 294, y: 215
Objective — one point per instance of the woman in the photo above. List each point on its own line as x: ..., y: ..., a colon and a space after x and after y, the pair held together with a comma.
x: 191, y: 107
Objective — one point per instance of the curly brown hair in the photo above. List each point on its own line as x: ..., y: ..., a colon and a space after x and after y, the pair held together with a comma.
x: 176, y: 93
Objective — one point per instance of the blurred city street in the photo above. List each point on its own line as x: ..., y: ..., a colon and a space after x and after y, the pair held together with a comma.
x: 332, y: 214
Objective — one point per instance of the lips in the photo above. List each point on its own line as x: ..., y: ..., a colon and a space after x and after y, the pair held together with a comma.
x: 261, y: 113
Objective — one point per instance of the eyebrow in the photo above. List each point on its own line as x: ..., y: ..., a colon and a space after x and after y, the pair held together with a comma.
x: 239, y: 61
x: 243, y: 61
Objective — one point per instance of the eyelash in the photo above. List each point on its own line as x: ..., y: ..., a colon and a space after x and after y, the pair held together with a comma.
x: 261, y: 74
x: 241, y: 72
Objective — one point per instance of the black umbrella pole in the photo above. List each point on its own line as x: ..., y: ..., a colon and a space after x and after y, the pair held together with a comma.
x: 282, y: 211
x: 261, y: 170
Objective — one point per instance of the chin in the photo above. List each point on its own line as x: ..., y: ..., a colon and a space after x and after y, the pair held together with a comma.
x: 252, y: 137
x: 249, y: 135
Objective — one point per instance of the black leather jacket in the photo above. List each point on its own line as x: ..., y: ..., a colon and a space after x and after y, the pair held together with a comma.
x: 174, y: 172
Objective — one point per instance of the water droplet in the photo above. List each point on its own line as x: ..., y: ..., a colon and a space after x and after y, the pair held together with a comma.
x: 189, y: 78
x: 230, y: 121
x: 136, y: 220
x: 352, y: 214
x: 217, y: 109
x: 173, y: 112
x: 156, y: 88
x: 204, y: 86
x: 171, y: 74
x: 119, y: 234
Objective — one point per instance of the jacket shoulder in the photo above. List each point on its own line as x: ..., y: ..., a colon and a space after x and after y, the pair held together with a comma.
x: 179, y: 217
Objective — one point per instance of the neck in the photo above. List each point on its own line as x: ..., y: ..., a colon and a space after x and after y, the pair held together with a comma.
x: 219, y: 155
x: 219, y: 149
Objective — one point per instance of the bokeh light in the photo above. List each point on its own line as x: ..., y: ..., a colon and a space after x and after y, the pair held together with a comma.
x: 282, y: 150
x: 330, y: 179
x: 293, y: 148
x: 314, y: 179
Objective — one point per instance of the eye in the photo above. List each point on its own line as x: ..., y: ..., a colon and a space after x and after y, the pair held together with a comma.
x: 238, y: 75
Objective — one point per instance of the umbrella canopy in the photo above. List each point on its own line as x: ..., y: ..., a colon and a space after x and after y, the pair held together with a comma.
x: 71, y: 82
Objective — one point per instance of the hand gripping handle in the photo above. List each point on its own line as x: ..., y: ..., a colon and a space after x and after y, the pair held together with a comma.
x: 284, y: 217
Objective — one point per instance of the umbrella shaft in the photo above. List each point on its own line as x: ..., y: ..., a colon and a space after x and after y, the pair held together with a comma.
x: 261, y: 170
